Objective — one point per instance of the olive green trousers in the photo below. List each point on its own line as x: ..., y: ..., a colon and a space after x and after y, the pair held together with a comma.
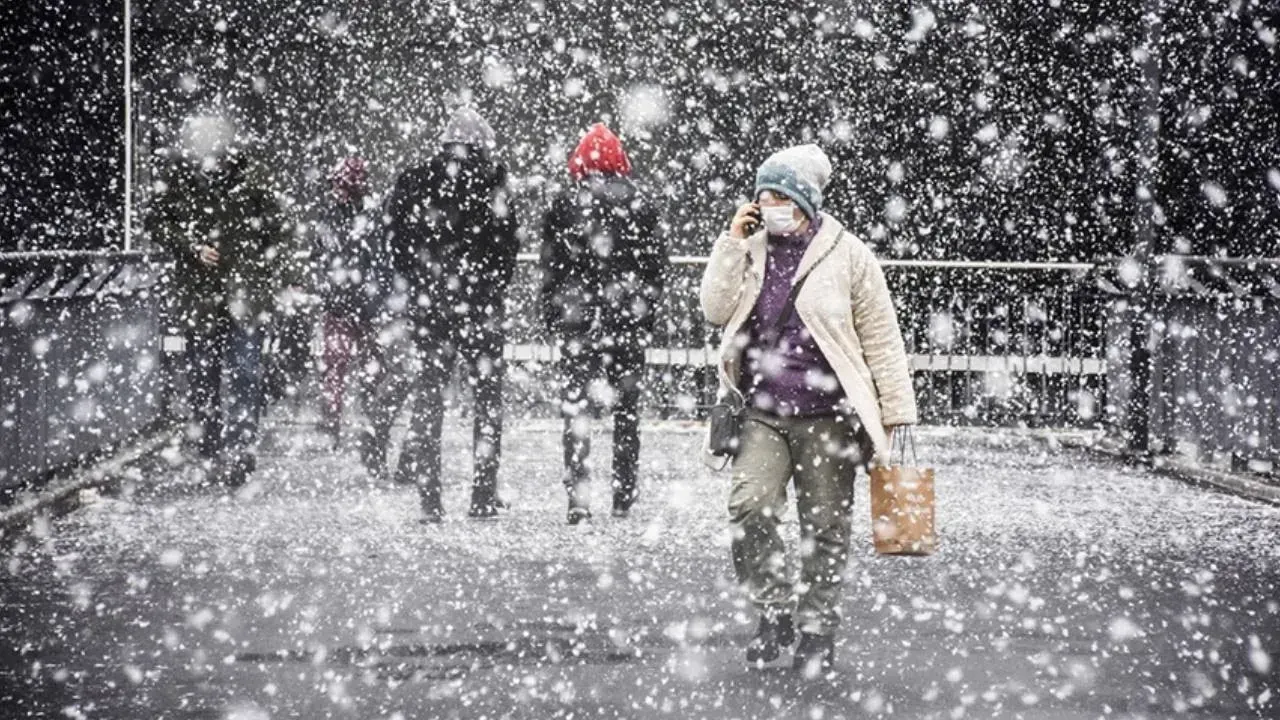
x: 822, y: 455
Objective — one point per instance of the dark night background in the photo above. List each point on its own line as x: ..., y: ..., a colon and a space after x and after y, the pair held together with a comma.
x: 986, y: 130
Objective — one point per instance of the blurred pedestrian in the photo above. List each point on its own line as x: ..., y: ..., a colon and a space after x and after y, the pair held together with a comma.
x: 230, y: 247
x: 602, y: 260
x: 453, y: 246
x: 288, y: 358
x: 811, y: 346
x: 351, y: 285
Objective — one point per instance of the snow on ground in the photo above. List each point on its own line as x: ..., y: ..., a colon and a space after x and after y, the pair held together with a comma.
x: 1065, y: 587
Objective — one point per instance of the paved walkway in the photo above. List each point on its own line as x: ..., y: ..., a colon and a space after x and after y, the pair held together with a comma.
x: 1066, y: 587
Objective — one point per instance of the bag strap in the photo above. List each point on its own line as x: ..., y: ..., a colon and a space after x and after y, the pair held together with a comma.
x: 790, y: 307
x: 903, y: 440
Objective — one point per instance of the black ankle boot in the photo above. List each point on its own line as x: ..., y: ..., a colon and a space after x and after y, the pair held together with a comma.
x: 772, y: 634
x: 432, y: 510
x: 623, y: 500
x: 578, y: 510
x: 485, y: 505
x: 234, y: 468
x: 373, y: 455
x: 815, y: 655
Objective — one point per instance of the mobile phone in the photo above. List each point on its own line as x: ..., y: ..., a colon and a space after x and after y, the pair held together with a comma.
x: 757, y: 220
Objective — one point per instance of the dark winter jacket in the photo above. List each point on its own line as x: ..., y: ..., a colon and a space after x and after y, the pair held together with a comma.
x: 234, y: 212
x: 351, y: 260
x: 603, y: 260
x: 453, y: 242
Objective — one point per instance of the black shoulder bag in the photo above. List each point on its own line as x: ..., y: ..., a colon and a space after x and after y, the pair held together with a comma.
x: 729, y: 413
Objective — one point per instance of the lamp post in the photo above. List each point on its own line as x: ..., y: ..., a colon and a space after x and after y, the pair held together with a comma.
x: 1143, y: 298
x: 128, y: 125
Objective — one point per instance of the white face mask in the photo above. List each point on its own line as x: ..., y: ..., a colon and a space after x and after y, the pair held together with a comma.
x: 780, y: 219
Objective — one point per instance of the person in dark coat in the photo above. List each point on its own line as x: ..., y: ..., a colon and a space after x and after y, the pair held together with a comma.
x: 602, y: 267
x: 351, y: 284
x: 453, y: 246
x: 231, y: 252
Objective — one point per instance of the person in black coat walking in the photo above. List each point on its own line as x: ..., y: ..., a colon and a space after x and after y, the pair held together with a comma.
x: 602, y: 267
x: 231, y: 250
x: 453, y: 247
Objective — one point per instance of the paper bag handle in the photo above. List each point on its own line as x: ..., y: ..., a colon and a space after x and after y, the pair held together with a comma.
x: 902, y: 438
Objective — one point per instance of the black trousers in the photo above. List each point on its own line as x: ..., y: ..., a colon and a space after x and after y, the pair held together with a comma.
x: 290, y: 361
x: 622, y: 369
x: 483, y: 371
x: 224, y: 371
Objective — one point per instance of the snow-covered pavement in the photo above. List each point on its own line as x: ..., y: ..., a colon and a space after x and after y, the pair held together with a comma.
x: 1065, y: 587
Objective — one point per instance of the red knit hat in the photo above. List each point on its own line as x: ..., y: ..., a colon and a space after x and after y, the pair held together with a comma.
x: 600, y: 152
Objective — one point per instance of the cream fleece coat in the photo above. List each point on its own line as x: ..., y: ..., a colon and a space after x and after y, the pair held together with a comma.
x: 845, y: 305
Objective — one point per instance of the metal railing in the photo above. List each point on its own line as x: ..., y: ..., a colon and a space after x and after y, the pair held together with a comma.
x: 82, y: 365
x: 79, y: 360
x: 82, y: 344
x: 990, y: 343
x: 1194, y: 359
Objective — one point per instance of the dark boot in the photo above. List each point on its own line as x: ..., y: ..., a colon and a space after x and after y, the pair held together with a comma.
x: 234, y: 468
x: 485, y: 504
x: 373, y: 454
x: 815, y: 655
x: 623, y: 500
x: 432, y: 510
x: 772, y: 634
x: 578, y: 508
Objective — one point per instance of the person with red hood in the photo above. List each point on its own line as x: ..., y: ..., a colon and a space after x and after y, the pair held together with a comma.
x: 602, y: 260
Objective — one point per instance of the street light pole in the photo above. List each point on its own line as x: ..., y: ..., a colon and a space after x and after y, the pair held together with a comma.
x: 128, y: 125
x: 1142, y: 300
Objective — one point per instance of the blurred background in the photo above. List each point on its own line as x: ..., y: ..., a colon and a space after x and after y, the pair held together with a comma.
x: 997, y: 130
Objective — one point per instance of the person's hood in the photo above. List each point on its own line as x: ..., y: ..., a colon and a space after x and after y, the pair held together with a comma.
x: 468, y: 127
x: 349, y: 180
x: 599, y: 153
x: 471, y: 164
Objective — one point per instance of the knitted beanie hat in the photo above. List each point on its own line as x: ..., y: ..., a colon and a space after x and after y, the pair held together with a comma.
x: 800, y: 173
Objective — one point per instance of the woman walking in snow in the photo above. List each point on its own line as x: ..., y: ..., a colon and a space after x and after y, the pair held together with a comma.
x: 824, y: 379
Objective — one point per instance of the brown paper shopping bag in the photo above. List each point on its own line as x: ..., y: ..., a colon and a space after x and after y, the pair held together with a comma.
x: 902, y: 500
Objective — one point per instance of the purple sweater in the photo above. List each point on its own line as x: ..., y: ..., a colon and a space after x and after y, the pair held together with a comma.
x: 790, y: 377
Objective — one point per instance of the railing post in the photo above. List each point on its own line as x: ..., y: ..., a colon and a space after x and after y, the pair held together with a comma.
x: 1138, y: 412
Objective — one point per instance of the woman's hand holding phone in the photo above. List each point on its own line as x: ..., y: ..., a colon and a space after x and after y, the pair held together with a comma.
x: 746, y: 221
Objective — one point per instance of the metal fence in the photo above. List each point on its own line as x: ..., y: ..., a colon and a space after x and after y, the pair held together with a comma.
x: 79, y: 359
x: 1183, y: 357
x: 990, y: 343
x: 82, y: 345
x: 1193, y: 360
